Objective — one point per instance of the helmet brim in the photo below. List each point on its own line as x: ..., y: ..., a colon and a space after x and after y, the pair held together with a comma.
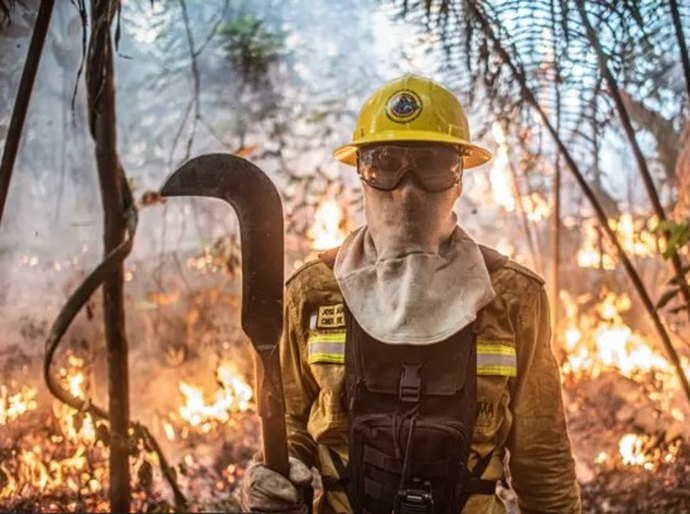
x: 475, y: 155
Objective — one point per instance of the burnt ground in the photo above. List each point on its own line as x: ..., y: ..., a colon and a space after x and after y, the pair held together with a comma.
x: 635, y: 490
x: 600, y: 411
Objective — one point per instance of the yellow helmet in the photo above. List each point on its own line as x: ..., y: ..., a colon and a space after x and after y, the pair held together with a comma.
x: 412, y: 108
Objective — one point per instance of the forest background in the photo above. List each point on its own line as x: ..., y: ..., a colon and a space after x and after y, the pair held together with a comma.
x: 585, y: 105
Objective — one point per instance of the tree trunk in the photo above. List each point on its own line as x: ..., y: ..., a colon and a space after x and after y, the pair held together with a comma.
x: 517, y: 193
x: 556, y: 217
x: 556, y: 248
x: 102, y: 122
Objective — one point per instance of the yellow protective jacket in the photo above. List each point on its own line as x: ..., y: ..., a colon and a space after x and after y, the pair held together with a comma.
x: 520, y: 408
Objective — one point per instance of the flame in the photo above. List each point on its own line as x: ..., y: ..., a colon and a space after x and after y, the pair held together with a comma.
x: 58, y: 456
x: 589, y: 254
x: 330, y: 228
x: 635, y: 236
x: 506, y: 248
x: 607, y: 343
x: 234, y: 396
x: 640, y: 450
x: 62, y: 455
x: 169, y: 431
x: 631, y: 449
x: 12, y: 406
x: 536, y: 207
x: 76, y: 426
x: 42, y: 470
x: 601, y: 457
x: 501, y: 182
x: 599, y: 341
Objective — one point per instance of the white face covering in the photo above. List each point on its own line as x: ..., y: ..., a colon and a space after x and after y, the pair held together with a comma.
x: 412, y: 275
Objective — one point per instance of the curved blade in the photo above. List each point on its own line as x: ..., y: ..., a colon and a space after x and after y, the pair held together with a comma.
x: 260, y: 213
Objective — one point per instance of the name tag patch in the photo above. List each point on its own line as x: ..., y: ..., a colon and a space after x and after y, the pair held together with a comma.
x: 326, y: 342
x: 330, y: 316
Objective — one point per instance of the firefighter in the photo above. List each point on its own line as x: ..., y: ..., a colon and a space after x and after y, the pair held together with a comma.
x: 414, y: 360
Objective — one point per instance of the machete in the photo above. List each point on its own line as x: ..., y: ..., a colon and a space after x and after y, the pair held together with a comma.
x: 260, y: 213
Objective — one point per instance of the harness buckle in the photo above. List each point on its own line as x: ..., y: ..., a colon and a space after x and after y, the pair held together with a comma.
x: 410, y: 390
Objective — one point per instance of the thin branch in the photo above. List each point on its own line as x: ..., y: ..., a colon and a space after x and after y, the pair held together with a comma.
x: 195, y: 79
x: 517, y: 193
x: 178, y: 133
x: 677, y: 25
x: 668, y: 139
x: 21, y: 104
x: 83, y: 17
x: 214, y: 29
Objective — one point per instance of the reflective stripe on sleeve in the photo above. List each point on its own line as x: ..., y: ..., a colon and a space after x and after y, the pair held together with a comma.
x: 326, y: 347
x: 496, y: 359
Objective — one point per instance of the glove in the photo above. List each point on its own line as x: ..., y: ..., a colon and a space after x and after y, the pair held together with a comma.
x: 264, y: 490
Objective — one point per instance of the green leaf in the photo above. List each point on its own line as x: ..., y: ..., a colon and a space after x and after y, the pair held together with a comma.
x: 677, y: 236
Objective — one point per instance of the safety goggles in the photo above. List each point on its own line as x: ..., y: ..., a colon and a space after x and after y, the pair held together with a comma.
x: 437, y: 168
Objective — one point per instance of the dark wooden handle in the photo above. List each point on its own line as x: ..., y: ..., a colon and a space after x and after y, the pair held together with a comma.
x: 271, y: 409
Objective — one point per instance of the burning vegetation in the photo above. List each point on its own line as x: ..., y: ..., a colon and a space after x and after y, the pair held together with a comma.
x: 628, y: 417
x: 55, y: 458
x: 190, y: 371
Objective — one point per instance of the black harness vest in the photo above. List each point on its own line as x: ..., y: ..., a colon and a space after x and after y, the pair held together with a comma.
x: 412, y: 412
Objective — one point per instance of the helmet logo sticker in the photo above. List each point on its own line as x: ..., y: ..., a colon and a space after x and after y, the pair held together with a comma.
x: 403, y: 106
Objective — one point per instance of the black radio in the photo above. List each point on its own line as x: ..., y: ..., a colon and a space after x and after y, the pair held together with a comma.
x: 414, y: 501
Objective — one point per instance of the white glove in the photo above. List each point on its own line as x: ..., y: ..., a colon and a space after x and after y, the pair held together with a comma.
x: 264, y: 490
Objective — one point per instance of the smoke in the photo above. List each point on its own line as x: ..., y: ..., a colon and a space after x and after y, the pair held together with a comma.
x: 330, y: 57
